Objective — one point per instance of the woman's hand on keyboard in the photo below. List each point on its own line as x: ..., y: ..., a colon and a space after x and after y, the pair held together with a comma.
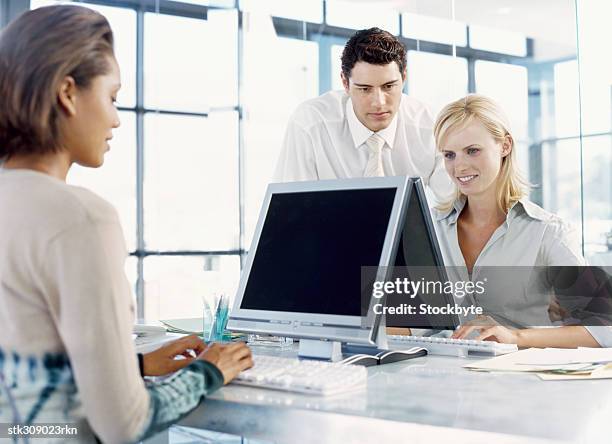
x: 230, y: 359
x: 162, y: 361
x: 488, y: 330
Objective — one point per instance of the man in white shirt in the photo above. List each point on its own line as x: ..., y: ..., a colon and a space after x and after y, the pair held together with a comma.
x: 369, y: 129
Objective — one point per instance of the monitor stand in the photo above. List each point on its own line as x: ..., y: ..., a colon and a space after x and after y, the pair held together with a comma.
x: 369, y: 349
x: 318, y: 349
x: 334, y: 350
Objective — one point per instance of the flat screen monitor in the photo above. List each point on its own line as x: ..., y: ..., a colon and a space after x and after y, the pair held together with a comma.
x: 418, y: 258
x: 302, y: 276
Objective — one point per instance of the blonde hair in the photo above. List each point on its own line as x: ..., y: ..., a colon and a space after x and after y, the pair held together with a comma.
x: 511, y: 186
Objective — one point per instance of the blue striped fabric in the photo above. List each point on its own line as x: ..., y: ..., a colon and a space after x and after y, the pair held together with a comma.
x: 37, y: 389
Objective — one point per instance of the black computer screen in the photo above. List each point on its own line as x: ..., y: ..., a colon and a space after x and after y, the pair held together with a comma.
x: 417, y: 258
x: 415, y: 248
x: 312, y: 247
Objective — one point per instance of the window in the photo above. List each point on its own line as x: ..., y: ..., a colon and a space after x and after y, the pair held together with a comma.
x: 436, y: 79
x: 191, y: 180
x: 594, y: 37
x: 567, y: 99
x: 561, y: 184
x: 507, y: 84
x: 434, y: 29
x: 498, y: 40
x: 597, y: 178
x: 306, y: 10
x: 336, y: 66
x: 223, y: 28
x: 174, y: 79
x: 362, y: 15
x: 273, y: 90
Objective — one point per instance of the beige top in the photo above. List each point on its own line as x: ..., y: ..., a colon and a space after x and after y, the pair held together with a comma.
x: 63, y: 290
x: 529, y: 237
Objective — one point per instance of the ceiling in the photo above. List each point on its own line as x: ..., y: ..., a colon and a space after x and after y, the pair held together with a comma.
x: 551, y: 23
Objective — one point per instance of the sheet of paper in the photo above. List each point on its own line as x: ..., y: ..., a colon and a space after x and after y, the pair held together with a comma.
x: 562, y: 356
x: 187, y: 325
x: 604, y: 372
x: 536, y: 359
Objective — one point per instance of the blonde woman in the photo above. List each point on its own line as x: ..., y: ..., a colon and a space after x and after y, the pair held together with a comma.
x: 490, y: 222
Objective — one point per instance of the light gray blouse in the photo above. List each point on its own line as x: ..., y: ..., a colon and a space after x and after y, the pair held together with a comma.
x: 529, y: 237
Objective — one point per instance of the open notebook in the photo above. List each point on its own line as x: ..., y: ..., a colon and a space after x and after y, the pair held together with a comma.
x: 385, y: 357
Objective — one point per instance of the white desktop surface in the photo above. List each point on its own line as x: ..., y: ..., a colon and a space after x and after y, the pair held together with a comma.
x: 426, y: 400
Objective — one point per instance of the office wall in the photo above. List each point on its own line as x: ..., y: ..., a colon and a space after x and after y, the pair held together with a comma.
x: 208, y: 88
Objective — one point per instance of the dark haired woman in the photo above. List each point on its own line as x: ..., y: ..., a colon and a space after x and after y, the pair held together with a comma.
x: 66, y: 353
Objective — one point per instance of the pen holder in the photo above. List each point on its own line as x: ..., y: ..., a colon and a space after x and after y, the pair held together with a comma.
x: 215, y: 319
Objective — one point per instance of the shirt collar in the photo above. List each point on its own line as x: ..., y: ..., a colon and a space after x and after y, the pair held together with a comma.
x: 523, y: 205
x: 361, y: 133
x: 452, y: 213
x: 532, y: 210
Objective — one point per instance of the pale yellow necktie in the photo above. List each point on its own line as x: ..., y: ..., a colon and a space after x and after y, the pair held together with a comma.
x: 374, y: 168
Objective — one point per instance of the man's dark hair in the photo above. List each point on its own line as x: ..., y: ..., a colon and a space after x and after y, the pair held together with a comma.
x: 373, y: 46
x: 37, y: 51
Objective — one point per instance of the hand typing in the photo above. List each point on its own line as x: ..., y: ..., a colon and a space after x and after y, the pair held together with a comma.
x: 488, y: 329
x: 230, y: 359
x: 162, y: 361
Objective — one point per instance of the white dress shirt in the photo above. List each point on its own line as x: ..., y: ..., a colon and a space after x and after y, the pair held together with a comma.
x: 325, y: 140
x: 529, y: 237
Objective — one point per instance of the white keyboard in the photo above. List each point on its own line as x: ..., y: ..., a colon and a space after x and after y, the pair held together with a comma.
x: 305, y: 376
x: 451, y: 347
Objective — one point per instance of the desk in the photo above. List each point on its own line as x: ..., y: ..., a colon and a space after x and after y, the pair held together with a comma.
x: 426, y: 400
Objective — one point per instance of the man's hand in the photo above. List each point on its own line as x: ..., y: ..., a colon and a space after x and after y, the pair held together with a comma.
x: 230, y: 359
x: 161, y: 361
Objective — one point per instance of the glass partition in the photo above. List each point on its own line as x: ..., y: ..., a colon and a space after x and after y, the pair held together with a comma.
x: 595, y: 135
